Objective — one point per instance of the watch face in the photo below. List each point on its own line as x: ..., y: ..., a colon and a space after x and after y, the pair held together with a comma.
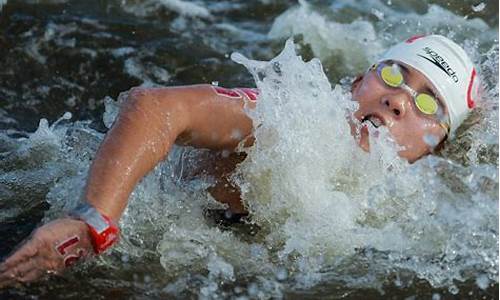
x: 91, y: 216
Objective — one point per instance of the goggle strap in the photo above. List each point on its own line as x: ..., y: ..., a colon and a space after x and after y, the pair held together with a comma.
x: 445, y: 126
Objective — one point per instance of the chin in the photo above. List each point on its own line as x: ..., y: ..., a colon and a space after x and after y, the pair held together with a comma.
x: 412, y: 157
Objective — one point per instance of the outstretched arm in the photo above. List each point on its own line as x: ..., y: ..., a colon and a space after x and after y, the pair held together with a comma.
x: 149, y: 123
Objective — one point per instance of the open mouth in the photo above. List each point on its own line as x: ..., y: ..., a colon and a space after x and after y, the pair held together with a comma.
x: 375, y: 120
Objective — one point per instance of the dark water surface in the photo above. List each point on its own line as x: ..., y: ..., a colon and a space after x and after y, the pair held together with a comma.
x: 67, y: 56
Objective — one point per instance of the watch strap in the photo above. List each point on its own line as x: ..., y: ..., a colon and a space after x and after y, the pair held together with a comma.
x: 103, y: 231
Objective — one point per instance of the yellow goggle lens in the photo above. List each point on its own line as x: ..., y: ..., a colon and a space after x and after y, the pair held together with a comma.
x: 391, y: 77
x: 426, y: 104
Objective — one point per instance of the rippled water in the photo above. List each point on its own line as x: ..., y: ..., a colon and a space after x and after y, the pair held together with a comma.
x: 326, y: 218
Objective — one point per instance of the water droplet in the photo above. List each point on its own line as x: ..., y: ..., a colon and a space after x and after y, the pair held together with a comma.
x: 67, y: 115
x: 253, y: 289
x: 482, y: 281
x: 236, y: 134
x: 395, y: 69
x: 431, y: 140
x: 479, y: 7
x: 281, y: 274
x: 453, y: 289
x: 277, y: 68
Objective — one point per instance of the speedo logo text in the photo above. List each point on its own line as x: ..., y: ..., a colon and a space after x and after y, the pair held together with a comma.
x: 439, y: 62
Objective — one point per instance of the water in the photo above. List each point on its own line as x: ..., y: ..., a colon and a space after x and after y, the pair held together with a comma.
x: 326, y: 218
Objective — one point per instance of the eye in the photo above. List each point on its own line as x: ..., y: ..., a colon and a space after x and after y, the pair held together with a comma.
x: 396, y: 112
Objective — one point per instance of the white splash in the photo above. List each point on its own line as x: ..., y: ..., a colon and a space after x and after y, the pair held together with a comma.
x: 183, y: 8
x: 320, y: 196
x: 324, y: 207
x: 356, y: 42
x: 354, y: 45
x: 480, y: 7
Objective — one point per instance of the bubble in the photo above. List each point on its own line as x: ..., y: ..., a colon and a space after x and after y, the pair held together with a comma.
x: 71, y: 101
x: 236, y: 134
x: 483, y: 281
x: 377, y: 13
x: 228, y: 214
x: 453, y: 289
x: 281, y: 274
x: 253, y: 289
x: 225, y: 153
x: 479, y: 7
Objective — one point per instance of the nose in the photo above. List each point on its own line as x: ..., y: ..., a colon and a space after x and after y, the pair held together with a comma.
x: 396, y: 104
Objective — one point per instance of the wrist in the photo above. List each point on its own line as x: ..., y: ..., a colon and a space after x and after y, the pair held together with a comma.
x: 103, y: 231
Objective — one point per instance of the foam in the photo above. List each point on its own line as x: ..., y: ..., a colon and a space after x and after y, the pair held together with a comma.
x: 183, y: 8
x: 299, y: 190
x: 359, y: 42
x: 356, y: 42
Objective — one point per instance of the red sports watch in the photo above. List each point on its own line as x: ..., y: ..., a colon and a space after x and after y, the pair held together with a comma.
x: 103, y: 231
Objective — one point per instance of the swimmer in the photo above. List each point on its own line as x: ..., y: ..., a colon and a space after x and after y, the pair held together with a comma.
x: 421, y: 89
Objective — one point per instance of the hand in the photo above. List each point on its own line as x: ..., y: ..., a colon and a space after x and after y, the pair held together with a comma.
x: 49, y: 250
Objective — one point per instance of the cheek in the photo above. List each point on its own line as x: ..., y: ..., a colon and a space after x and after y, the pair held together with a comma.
x: 367, y: 90
x: 364, y: 88
x: 417, y: 134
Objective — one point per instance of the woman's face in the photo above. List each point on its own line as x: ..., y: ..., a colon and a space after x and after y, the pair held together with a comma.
x: 417, y: 133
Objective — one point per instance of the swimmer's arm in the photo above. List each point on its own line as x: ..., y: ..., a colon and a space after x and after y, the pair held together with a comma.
x: 149, y: 123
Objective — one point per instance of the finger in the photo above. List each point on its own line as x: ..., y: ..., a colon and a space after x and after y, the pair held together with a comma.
x: 7, y: 274
x: 31, y: 276
x: 7, y: 282
x: 15, y: 280
x: 18, y: 263
x: 28, y: 266
x: 27, y: 271
x: 6, y: 279
x: 28, y: 250
x: 11, y: 277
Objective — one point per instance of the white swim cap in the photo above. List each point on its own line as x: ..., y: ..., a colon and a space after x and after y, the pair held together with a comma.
x: 448, y: 68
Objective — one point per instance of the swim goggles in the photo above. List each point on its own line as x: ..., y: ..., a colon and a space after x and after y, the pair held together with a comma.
x: 391, y: 75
